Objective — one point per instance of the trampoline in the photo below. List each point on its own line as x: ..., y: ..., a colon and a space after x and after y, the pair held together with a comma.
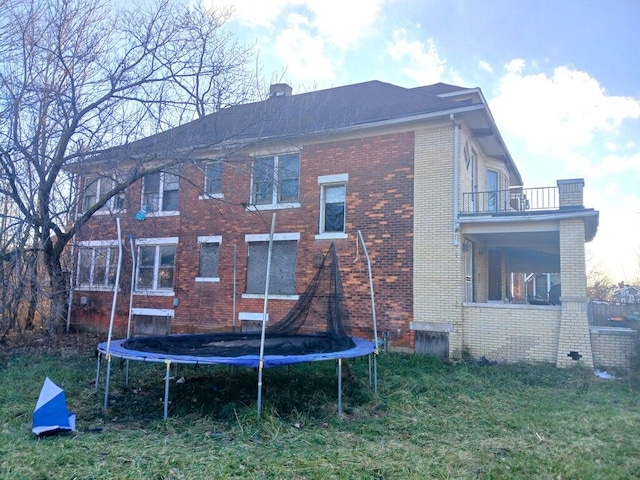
x: 361, y: 348
x: 316, y: 329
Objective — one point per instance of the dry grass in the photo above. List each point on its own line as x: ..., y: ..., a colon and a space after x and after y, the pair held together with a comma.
x: 430, y: 420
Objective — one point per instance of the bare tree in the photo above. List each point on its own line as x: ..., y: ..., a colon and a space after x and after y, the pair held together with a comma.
x: 78, y: 77
x: 599, y: 283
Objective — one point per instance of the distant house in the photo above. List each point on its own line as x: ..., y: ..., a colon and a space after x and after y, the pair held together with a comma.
x: 626, y: 295
x: 459, y: 247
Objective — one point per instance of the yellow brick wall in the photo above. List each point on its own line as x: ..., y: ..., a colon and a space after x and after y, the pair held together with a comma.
x: 511, y: 333
x: 438, y: 287
x: 574, y: 328
x: 612, y: 347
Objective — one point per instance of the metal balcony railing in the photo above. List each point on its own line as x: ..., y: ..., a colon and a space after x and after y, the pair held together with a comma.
x: 513, y: 200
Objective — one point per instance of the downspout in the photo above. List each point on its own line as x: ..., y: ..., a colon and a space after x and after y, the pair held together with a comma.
x: 456, y: 180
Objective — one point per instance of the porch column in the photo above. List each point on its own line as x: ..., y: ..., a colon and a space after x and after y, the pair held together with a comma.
x: 574, y: 341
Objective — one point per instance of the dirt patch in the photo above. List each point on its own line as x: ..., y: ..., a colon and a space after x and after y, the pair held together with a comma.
x: 39, y: 341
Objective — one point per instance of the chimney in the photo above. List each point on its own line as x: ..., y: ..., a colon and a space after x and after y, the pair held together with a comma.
x: 280, y: 90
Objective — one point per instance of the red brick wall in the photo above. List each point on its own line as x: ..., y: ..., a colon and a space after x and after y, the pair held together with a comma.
x: 379, y: 203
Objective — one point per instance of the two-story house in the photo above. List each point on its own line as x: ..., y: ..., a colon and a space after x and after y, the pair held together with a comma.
x: 626, y: 295
x: 423, y: 173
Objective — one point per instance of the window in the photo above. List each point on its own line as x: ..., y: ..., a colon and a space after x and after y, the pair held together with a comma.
x: 282, y: 278
x: 333, y: 191
x: 208, y: 266
x: 97, y: 264
x: 492, y: 190
x: 213, y: 179
x: 97, y: 187
x: 156, y: 264
x: 276, y: 181
x: 160, y: 192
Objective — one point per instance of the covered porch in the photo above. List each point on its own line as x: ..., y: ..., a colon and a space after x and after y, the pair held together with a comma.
x: 525, y: 275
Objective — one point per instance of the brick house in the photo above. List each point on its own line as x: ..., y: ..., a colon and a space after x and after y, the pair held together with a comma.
x: 422, y: 173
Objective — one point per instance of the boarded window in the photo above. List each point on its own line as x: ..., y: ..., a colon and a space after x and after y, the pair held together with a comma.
x: 208, y: 260
x: 282, y: 279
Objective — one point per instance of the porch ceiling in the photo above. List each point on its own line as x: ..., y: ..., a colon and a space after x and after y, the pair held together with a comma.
x: 546, y: 242
x: 524, y: 251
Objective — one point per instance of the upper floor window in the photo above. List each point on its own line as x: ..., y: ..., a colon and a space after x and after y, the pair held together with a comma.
x: 208, y: 266
x: 160, y: 192
x: 97, y: 264
x: 156, y: 264
x: 333, y: 195
x: 97, y: 187
x: 213, y: 179
x: 276, y: 181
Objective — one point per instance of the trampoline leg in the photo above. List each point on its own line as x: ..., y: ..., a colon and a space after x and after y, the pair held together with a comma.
x: 98, y: 372
x: 369, y: 365
x: 106, y: 383
x: 166, y: 389
x: 126, y: 373
x: 375, y: 372
x: 340, y: 386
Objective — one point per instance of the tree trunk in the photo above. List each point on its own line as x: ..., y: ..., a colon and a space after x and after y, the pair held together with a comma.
x: 59, y: 284
x: 33, y: 291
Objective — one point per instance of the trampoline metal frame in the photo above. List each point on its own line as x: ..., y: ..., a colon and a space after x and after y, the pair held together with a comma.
x: 115, y: 349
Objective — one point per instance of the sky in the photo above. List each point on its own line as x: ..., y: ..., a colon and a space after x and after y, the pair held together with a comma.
x: 562, y: 79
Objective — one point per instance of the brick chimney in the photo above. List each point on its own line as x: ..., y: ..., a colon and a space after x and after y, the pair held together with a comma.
x: 280, y: 90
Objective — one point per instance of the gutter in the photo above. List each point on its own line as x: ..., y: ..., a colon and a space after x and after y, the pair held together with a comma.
x: 456, y: 180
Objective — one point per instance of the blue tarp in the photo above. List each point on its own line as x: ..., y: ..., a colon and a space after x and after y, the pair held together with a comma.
x: 51, y: 415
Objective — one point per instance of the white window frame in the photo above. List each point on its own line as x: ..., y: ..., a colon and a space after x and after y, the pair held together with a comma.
x: 206, y: 195
x: 325, y: 181
x: 153, y: 312
x: 249, y: 238
x: 275, y: 204
x: 101, y: 188
x: 155, y: 242
x: 159, y: 212
x: 210, y: 239
x: 95, y: 245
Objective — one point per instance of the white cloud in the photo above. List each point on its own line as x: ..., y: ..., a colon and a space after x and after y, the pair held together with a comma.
x: 486, y: 66
x: 255, y: 12
x: 337, y: 21
x: 304, y: 55
x: 557, y: 112
x: 421, y: 61
x: 617, y: 243
x: 341, y: 22
x: 617, y: 164
x: 310, y: 36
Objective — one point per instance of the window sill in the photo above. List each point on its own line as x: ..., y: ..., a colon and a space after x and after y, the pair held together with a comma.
x: 172, y: 213
x: 272, y: 206
x: 211, y: 196
x: 93, y: 288
x: 207, y: 279
x: 271, y: 297
x: 109, y: 212
x: 155, y: 293
x: 331, y: 236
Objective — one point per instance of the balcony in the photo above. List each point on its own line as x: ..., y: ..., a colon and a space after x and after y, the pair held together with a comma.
x: 567, y: 195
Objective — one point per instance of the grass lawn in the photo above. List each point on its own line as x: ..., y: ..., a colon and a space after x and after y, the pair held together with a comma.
x: 429, y: 421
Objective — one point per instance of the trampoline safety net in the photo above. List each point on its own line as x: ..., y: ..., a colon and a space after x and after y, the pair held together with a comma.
x: 318, y: 323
